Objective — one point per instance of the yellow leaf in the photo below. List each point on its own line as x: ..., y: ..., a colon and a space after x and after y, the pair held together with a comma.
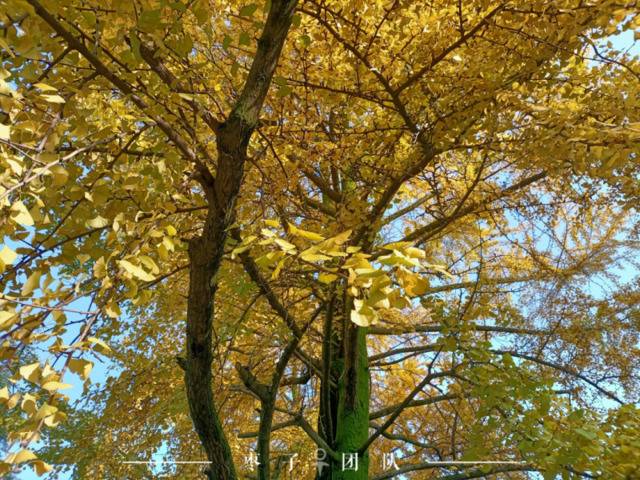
x: 103, y: 346
x: 53, y: 386
x: 30, y: 372
x: 414, y: 284
x: 7, y: 257
x: 98, y: 222
x: 15, y: 165
x: 312, y: 255
x: 28, y: 404
x: 44, y: 87
x: 362, y: 314
x: 59, y: 175
x: 149, y: 263
x: 32, y: 283
x: 41, y: 467
x: 397, y: 245
x: 23, y: 456
x: 136, y: 271
x: 4, y: 132
x: 286, y: 246
x: 360, y: 319
x: 327, y: 277
x: 20, y: 214
x: 276, y: 271
x: 4, y: 394
x: 7, y: 319
x: 53, y: 98
x: 272, y: 223
x: 44, y: 411
x: 55, y: 419
x: 171, y: 230
x: 341, y: 237
x: 293, y: 230
x: 99, y: 268
x: 112, y: 310
x: 414, y: 252
x: 80, y: 367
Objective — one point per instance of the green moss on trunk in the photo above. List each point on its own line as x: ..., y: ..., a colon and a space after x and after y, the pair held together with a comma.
x: 352, y: 426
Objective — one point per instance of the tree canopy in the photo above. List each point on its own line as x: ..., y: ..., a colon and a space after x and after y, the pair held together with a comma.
x: 297, y: 233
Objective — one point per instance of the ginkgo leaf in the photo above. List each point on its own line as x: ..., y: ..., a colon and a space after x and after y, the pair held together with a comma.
x: 112, y: 310
x: 28, y: 404
x: 298, y: 232
x: 41, y: 467
x: 54, y: 386
x: 44, y: 411
x: 54, y: 419
x: 59, y: 174
x: 276, y: 271
x: 101, y: 344
x: 312, y: 255
x: 327, y: 277
x: 7, y: 257
x: 248, y: 10
x: 44, y: 87
x: 99, y: 268
x: 136, y: 271
x: 30, y: 372
x: 98, y: 222
x: 31, y: 284
x: 286, y: 246
x: 53, y: 98
x: 80, y: 367
x: 20, y: 214
x: 7, y: 318
x: 23, y: 456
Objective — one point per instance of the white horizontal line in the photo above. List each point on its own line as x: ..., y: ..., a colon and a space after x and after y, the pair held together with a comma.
x: 140, y: 462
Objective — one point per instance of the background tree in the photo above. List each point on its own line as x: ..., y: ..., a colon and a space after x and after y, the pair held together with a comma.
x: 417, y: 237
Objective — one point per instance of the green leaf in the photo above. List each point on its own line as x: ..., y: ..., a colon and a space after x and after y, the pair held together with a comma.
x: 248, y: 10
x: 283, y: 91
x: 244, y: 39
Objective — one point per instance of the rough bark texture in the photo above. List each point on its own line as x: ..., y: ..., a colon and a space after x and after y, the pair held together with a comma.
x: 205, y: 251
x: 352, y: 426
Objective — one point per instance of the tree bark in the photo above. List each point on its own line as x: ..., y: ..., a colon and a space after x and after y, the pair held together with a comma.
x: 352, y: 425
x: 205, y: 251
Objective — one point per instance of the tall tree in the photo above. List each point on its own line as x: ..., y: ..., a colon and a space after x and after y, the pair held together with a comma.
x: 392, y: 237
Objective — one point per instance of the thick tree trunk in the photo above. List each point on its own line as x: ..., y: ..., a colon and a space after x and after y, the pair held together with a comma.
x: 205, y: 251
x: 332, y: 367
x: 352, y: 423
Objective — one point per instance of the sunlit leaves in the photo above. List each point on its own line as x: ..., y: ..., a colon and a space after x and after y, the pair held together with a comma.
x: 100, y: 206
x: 136, y: 271
x: 20, y: 214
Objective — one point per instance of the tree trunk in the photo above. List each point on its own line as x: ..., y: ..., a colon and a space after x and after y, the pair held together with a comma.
x: 352, y: 423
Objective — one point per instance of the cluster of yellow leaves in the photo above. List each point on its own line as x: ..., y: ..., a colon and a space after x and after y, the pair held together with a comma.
x: 389, y: 281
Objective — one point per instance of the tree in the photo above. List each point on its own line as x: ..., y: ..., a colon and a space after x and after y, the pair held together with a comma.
x: 377, y: 228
